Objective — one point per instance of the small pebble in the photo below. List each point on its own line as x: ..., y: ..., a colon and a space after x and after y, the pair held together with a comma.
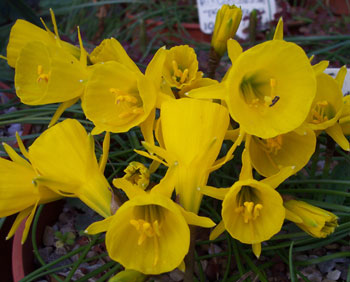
x: 334, y: 275
x: 176, y: 275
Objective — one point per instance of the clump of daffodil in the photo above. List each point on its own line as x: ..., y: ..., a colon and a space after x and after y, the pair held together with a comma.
x: 252, y: 211
x: 294, y: 148
x: 192, y: 132
x: 268, y: 90
x: 64, y: 157
x: 18, y: 191
x: 227, y: 21
x: 149, y: 233
x: 315, y: 221
x: 180, y: 66
x: 138, y: 174
x: 327, y: 108
x: 23, y: 32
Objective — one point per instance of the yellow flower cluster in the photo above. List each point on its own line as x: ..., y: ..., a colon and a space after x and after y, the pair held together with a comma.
x: 279, y: 100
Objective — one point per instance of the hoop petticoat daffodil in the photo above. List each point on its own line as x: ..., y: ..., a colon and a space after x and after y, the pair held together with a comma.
x: 17, y: 189
x: 180, y: 66
x: 227, y: 21
x: 344, y: 119
x: 64, y: 157
x: 23, y: 32
x: 315, y: 221
x: 294, y: 148
x: 192, y: 134
x: 117, y: 99
x: 252, y: 211
x: 327, y: 108
x: 268, y: 90
x: 149, y: 225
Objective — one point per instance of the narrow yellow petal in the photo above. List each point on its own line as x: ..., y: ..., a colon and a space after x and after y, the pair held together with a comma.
x: 335, y: 131
x: 99, y: 226
x: 256, y: 249
x: 320, y: 67
x: 21, y: 146
x: 19, y: 218
x: 167, y: 184
x: 28, y: 223
x: 234, y: 49
x: 61, y: 108
x: 53, y: 19
x: 83, y: 53
x: 105, y: 148
x: 279, y: 30
x: 341, y: 76
x: 15, y: 157
x: 218, y: 230
x: 147, y: 127
x: 246, y: 171
x: 193, y: 219
x: 217, y: 193
x: 278, y: 178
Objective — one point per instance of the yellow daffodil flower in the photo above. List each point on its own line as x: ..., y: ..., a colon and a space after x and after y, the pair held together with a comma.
x: 344, y: 119
x: 137, y: 174
x: 327, y: 108
x: 269, y: 88
x: 48, y: 74
x: 252, y: 211
x: 117, y: 99
x: 227, y: 21
x: 294, y: 148
x: 24, y: 32
x: 192, y: 133
x: 17, y: 189
x: 64, y: 157
x: 180, y: 66
x: 315, y: 221
x: 149, y: 233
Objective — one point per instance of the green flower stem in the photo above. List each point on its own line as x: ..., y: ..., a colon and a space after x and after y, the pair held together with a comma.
x: 229, y: 257
x: 97, y: 271
x: 323, y: 259
x: 109, y: 273
x: 81, y: 258
x: 236, y: 253
x: 213, y: 63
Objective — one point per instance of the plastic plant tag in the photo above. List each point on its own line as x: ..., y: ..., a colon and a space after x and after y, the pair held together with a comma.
x: 207, y: 10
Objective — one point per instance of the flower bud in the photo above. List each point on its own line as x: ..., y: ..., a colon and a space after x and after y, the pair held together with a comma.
x: 315, y: 221
x: 227, y: 21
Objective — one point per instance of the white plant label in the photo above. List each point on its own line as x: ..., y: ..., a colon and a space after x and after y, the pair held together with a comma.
x: 207, y: 10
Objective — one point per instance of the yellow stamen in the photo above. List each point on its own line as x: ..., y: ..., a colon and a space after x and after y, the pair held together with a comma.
x: 273, y: 145
x: 249, y: 211
x: 148, y: 230
x: 41, y: 75
x: 123, y: 96
x: 179, y: 75
x: 318, y: 112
